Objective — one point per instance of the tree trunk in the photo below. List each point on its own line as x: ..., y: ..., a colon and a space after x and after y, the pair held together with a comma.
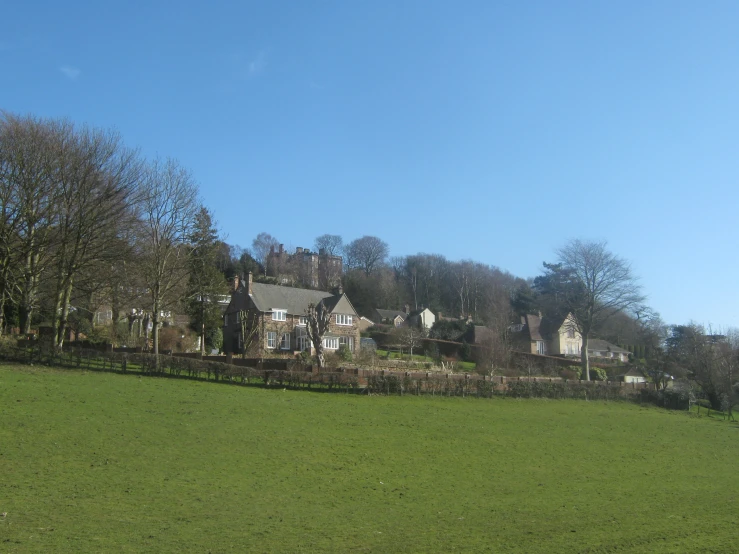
x: 319, y: 356
x: 584, y: 357
x: 2, y: 313
x: 28, y: 296
x: 202, y: 327
x: 155, y: 328
x: 66, y: 297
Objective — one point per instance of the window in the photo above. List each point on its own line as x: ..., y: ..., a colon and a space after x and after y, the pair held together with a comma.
x: 271, y: 340
x: 285, y: 341
x: 279, y: 315
x: 540, y: 349
x: 347, y: 341
x: 238, y: 317
x: 570, y: 333
x: 303, y: 343
x: 303, y: 320
x: 331, y: 343
x: 225, y: 320
x: 342, y: 319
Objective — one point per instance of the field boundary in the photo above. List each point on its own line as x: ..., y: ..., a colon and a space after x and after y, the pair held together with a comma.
x: 298, y: 376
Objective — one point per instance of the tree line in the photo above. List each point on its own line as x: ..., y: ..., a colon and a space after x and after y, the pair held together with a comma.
x: 86, y: 221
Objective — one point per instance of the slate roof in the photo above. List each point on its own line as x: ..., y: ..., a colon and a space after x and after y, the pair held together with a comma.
x: 482, y: 334
x: 533, y: 323
x: 543, y: 328
x: 295, y: 301
x: 391, y: 314
x: 605, y: 346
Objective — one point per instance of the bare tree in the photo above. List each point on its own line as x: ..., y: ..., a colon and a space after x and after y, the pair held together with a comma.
x: 262, y: 246
x: 331, y: 245
x: 409, y: 337
x: 593, y: 285
x: 248, y: 331
x: 28, y: 195
x: 367, y: 254
x: 168, y: 209
x: 97, y: 180
x: 319, y: 319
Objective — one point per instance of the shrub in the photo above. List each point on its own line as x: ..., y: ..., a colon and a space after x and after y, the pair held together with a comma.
x: 344, y: 353
x: 569, y: 374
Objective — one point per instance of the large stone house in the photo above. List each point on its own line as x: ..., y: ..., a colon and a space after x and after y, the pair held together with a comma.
x: 277, y: 317
x: 547, y: 336
x: 316, y: 270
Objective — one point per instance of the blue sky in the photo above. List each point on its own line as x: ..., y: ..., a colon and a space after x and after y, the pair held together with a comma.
x: 487, y: 130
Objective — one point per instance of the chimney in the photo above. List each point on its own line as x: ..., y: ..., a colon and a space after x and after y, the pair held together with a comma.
x: 439, y: 317
x: 299, y: 250
x: 282, y: 247
x: 272, y: 249
x: 249, y: 282
x: 407, y: 309
x: 236, y: 283
x: 321, y: 251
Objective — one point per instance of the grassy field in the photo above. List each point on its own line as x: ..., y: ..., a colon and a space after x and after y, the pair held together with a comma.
x: 96, y: 462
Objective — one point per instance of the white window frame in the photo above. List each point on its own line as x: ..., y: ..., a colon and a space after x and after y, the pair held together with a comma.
x: 271, y: 339
x: 285, y: 341
x: 279, y: 314
x: 303, y: 320
x: 347, y: 341
x: 343, y: 319
x: 303, y: 343
x: 331, y: 343
x: 540, y: 347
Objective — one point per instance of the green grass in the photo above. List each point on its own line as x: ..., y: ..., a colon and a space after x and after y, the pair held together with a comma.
x: 99, y: 462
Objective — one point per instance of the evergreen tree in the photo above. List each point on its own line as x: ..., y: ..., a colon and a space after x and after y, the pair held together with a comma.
x: 206, y: 284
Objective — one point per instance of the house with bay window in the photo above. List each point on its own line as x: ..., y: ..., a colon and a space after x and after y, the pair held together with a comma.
x: 276, y: 319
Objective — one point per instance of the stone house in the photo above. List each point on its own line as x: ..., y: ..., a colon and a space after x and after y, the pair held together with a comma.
x: 277, y: 315
x: 547, y: 336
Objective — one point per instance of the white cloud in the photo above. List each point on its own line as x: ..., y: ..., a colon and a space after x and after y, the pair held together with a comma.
x: 70, y: 72
x: 257, y: 64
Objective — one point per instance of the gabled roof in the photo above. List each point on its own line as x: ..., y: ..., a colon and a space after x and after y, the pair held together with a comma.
x: 605, y: 346
x: 482, y: 334
x: 419, y: 311
x: 533, y: 323
x: 295, y: 301
x: 543, y: 328
x: 391, y: 314
x: 633, y: 372
x: 339, y: 304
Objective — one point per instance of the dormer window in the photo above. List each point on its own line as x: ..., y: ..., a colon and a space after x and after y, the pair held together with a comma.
x: 279, y: 315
